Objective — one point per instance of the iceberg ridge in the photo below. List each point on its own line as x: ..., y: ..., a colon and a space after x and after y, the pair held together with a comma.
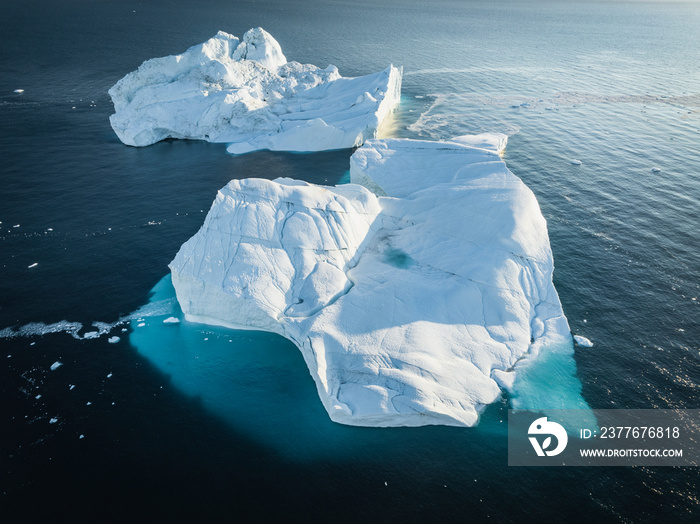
x: 246, y: 93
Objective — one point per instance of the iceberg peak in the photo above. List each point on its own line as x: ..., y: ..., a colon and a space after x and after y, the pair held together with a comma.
x: 260, y: 46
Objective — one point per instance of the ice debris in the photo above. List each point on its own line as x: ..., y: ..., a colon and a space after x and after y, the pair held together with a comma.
x: 583, y: 341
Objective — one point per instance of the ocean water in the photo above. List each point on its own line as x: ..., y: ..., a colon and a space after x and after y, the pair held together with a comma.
x: 130, y: 430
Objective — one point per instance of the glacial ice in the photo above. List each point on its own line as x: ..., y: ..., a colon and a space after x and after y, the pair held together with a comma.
x: 583, y: 341
x: 413, y: 293
x: 245, y: 93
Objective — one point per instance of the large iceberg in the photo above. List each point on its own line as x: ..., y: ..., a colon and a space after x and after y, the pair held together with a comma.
x: 244, y: 92
x: 413, y: 293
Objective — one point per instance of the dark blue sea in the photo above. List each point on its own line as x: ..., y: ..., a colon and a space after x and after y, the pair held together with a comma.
x: 200, y: 424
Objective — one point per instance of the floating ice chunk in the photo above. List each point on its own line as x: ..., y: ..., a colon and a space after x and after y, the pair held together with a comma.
x: 109, y: 375
x: 113, y: 340
x: 38, y: 397
x: 81, y: 437
x: 171, y: 320
x: 56, y: 365
x: 53, y: 420
x: 72, y: 386
x: 91, y: 335
x: 656, y: 170
x: 576, y: 162
x: 140, y: 324
x: 33, y: 265
x: 583, y: 341
x: 246, y: 93
x: 409, y: 310
x: 18, y: 91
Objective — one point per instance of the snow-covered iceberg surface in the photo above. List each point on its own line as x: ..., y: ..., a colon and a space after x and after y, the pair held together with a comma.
x: 412, y: 293
x: 244, y: 92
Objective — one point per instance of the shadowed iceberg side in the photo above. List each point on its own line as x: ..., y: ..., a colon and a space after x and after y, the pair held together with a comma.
x: 412, y: 296
x: 245, y: 93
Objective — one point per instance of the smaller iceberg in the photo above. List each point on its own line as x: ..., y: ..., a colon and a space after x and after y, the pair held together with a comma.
x: 246, y: 93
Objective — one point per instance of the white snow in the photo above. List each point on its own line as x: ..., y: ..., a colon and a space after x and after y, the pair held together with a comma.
x: 409, y: 309
x: 246, y: 93
x: 583, y: 341
x: 56, y: 365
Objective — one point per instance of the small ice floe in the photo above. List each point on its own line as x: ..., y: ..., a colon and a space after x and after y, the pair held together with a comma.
x: 81, y: 437
x: 71, y: 387
x: 33, y: 344
x: 141, y: 324
x: 53, y: 420
x: 18, y: 91
x: 113, y: 340
x: 88, y: 403
x: 171, y: 320
x: 583, y: 341
x: 92, y: 334
x: 49, y: 229
x: 56, y: 365
x: 656, y: 170
x: 576, y: 162
x: 109, y: 375
x: 33, y: 265
x: 38, y: 397
x: 16, y: 225
x: 124, y: 330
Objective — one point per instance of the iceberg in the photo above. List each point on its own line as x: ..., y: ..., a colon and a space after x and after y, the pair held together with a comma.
x: 414, y: 294
x: 246, y: 93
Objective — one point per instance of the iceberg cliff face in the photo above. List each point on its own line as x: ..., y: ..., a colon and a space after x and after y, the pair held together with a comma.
x: 412, y: 293
x: 246, y: 93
